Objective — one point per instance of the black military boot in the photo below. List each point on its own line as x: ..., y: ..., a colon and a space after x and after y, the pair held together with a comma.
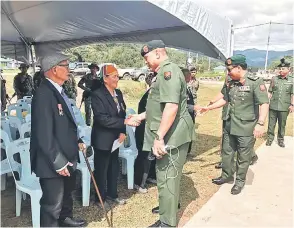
x: 219, y: 165
x: 220, y: 180
x: 155, y: 210
x: 269, y: 142
x: 159, y: 224
x: 281, y: 142
x: 236, y: 190
x: 254, y: 160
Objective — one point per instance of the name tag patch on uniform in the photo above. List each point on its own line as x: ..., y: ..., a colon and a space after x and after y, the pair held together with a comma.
x: 262, y: 87
x: 167, y: 75
x: 244, y: 88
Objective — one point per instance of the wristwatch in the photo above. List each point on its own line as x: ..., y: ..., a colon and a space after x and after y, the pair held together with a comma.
x: 157, y: 137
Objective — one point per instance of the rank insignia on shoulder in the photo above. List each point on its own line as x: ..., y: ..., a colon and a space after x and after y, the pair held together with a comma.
x: 262, y: 87
x: 167, y: 75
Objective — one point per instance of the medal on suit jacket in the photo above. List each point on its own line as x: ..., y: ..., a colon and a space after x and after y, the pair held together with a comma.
x: 60, y: 110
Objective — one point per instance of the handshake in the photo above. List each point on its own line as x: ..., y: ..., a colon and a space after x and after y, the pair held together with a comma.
x: 201, y: 110
x: 133, y: 120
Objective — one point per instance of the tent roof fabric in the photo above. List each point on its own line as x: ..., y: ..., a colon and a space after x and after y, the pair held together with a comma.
x: 58, y: 25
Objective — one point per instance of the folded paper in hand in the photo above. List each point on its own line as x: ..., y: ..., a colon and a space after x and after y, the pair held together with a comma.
x: 116, y: 145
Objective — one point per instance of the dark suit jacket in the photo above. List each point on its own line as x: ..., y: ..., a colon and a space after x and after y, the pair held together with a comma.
x: 140, y: 130
x: 108, y: 122
x: 54, y: 140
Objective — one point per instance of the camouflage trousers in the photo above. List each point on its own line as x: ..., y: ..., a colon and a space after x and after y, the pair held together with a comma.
x: 88, y: 111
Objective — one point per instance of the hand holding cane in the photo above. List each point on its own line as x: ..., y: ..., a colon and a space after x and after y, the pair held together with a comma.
x: 96, y: 188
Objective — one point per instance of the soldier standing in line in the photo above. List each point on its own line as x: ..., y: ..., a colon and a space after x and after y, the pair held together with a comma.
x: 281, y: 102
x: 23, y: 83
x: 247, y: 100
x: 86, y: 84
x: 70, y: 87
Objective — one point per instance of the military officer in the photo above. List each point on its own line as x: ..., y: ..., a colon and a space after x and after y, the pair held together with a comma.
x: 70, y: 87
x: 86, y: 84
x: 193, y: 84
x: 23, y: 83
x: 281, y: 102
x: 224, y: 113
x: 168, y: 123
x: 247, y: 100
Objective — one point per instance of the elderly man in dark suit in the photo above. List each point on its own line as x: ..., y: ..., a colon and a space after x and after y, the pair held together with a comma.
x: 109, y: 125
x: 55, y: 144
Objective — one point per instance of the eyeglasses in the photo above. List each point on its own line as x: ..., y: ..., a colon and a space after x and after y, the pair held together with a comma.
x: 63, y: 65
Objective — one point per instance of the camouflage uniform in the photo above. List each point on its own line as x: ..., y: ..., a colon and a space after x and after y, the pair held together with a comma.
x: 23, y: 85
x: 88, y: 81
x: 3, y: 94
x: 38, y: 78
x: 70, y: 87
x: 193, y: 86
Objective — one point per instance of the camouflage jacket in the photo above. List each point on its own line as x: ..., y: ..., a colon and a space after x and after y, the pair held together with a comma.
x: 70, y: 87
x: 23, y: 85
x: 193, y: 86
x: 86, y: 82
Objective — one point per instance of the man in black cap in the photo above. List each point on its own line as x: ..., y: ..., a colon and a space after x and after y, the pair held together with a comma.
x: 86, y: 84
x: 55, y: 145
x: 169, y: 128
x: 23, y: 82
x: 281, y: 102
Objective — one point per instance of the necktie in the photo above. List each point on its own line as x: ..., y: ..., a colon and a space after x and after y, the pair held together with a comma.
x: 68, y: 104
x: 116, y: 102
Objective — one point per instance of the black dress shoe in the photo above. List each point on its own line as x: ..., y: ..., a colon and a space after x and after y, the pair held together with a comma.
x: 155, y: 210
x: 219, y: 165
x: 220, y: 180
x: 269, y: 142
x: 254, y: 160
x: 281, y: 143
x: 159, y: 224
x: 70, y: 222
x: 236, y: 190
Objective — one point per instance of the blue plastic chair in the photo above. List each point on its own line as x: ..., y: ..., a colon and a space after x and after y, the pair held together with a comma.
x: 28, y: 182
x: 25, y: 130
x: 129, y: 153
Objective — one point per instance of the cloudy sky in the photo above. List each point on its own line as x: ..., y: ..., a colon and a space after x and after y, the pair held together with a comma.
x: 252, y: 12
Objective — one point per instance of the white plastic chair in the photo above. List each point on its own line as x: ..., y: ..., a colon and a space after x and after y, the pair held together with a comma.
x: 28, y: 118
x: 28, y: 182
x: 85, y: 135
x: 19, y: 109
x: 11, y: 125
x: 25, y: 130
x: 129, y: 155
x: 5, y: 168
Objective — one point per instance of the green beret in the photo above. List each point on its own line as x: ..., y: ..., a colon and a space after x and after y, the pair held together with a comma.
x: 283, y: 63
x: 152, y: 45
x: 236, y: 60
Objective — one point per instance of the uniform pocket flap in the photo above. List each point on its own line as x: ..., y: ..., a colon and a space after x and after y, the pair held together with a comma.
x: 248, y: 117
x: 154, y: 126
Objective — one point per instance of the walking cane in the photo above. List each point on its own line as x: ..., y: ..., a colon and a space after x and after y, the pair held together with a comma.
x: 97, y: 191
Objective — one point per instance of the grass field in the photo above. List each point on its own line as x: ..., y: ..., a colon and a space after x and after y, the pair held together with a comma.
x: 196, y: 186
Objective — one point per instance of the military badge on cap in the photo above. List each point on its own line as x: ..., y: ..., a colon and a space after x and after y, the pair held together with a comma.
x: 167, y: 75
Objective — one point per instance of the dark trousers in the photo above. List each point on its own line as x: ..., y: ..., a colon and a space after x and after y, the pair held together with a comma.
x: 282, y: 120
x: 88, y: 111
x: 56, y: 202
x: 143, y: 166
x: 244, y: 147
x: 106, y: 172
